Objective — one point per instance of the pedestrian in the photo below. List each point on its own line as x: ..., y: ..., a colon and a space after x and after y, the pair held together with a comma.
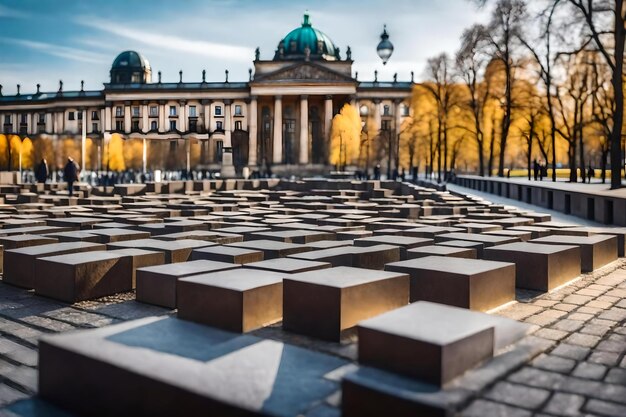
x: 71, y: 174
x: 42, y: 171
x: 402, y: 174
x: 536, y: 169
x: 377, y: 172
x: 590, y: 174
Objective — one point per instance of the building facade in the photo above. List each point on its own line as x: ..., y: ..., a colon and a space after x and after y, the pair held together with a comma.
x: 280, y: 119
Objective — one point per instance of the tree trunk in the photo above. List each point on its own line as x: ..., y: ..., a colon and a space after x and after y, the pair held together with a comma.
x: 581, y: 154
x: 618, y: 92
x: 506, y: 120
x: 481, y: 160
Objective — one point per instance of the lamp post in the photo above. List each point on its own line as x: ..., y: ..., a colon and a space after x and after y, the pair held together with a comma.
x: 385, y: 47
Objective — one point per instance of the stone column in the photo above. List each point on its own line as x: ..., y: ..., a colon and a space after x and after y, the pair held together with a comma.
x: 162, y: 118
x: 107, y: 118
x: 277, y: 157
x: 304, y: 130
x: 228, y: 169
x: 207, y: 115
x: 377, y: 119
x: 328, y: 116
x: 32, y: 124
x: 252, y: 132
x: 181, y: 116
x: 127, y: 119
x: 145, y: 121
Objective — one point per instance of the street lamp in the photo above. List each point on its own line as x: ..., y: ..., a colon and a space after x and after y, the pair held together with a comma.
x: 384, y: 48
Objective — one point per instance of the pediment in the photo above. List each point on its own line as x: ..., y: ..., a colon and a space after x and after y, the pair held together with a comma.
x: 304, y: 71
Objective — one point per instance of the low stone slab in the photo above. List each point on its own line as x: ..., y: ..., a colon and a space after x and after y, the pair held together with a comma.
x: 23, y: 241
x: 619, y: 232
x: 228, y: 254
x: 324, y: 303
x: 536, y: 231
x: 237, y: 300
x: 538, y: 266
x: 404, y: 242
x: 440, y: 250
x: 19, y: 264
x: 272, y: 249
x: 75, y: 236
x: 596, y: 251
x: 520, y: 234
x: 477, y: 247
x: 294, y: 236
x: 375, y: 257
x: 196, y: 370
x: 141, y: 258
x: 82, y: 276
x: 112, y: 235
x: 158, y: 284
x: 469, y: 283
x: 337, y: 256
x: 429, y: 343
x: 208, y: 235
x: 486, y: 240
x: 175, y: 251
x: 288, y: 265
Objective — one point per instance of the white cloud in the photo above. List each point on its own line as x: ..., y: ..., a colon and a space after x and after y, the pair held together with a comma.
x: 174, y: 43
x: 8, y: 12
x: 58, y: 50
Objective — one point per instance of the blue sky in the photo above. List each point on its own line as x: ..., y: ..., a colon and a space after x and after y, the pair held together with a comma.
x: 43, y: 41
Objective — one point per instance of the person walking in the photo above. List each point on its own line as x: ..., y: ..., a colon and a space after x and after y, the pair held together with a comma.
x: 41, y: 175
x: 536, y: 169
x: 71, y: 174
x: 590, y: 174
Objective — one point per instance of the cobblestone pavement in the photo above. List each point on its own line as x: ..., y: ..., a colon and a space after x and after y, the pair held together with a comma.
x: 576, y: 365
x: 582, y: 370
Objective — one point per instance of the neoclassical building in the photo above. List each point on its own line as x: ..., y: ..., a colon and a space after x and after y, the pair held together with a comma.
x: 280, y: 118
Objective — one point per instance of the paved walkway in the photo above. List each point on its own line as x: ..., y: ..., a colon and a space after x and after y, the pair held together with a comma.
x: 596, y: 187
x: 556, y: 215
x: 582, y: 371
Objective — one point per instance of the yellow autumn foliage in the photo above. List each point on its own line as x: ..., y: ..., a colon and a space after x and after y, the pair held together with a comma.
x: 345, y: 136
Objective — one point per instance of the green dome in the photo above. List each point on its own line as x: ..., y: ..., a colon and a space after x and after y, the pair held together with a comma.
x: 294, y: 45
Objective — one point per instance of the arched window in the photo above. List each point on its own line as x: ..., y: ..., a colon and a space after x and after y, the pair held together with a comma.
x: 386, y: 110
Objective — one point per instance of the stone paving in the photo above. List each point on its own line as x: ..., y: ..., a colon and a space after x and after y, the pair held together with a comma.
x: 571, y: 364
x: 582, y: 369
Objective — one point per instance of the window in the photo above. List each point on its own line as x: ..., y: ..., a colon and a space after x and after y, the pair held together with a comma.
x: 386, y: 110
x: 192, y: 111
x: 386, y: 125
x: 135, y: 78
x: 218, y: 110
x: 7, y: 119
x: 119, y: 125
x: 135, y: 126
x: 292, y: 46
x: 219, y: 150
x: 405, y: 110
x: 135, y: 111
x: 119, y: 112
x: 193, y: 125
x: 80, y: 115
x: 94, y: 115
x: 154, y: 125
x: 94, y: 127
x: 154, y: 111
x: 70, y: 115
x: 172, y: 110
x: 23, y: 118
x: 42, y: 118
x: 237, y: 109
x: 238, y: 125
x: 172, y: 125
x: 218, y: 125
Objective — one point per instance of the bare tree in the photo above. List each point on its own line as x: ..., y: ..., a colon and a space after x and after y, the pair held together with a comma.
x: 596, y: 17
x: 442, y: 89
x: 471, y: 64
x: 502, y: 34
